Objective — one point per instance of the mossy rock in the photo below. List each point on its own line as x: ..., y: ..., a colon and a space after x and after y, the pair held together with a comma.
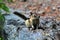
x: 1, y: 38
x: 2, y: 20
x: 1, y: 35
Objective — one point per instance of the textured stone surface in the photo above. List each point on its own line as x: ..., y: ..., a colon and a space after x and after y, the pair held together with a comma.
x: 17, y: 31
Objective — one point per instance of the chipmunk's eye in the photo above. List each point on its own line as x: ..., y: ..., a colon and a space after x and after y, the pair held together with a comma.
x: 34, y: 15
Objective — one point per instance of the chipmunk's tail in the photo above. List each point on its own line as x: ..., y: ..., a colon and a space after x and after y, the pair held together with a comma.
x: 21, y: 15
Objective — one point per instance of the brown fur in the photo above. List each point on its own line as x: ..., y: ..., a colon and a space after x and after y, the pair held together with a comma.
x: 33, y: 22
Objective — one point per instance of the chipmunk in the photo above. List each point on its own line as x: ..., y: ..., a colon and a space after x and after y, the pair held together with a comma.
x: 32, y: 22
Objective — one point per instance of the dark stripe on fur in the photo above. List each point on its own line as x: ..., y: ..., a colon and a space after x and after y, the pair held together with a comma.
x: 21, y: 15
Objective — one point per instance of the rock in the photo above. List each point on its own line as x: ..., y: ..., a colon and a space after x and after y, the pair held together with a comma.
x: 11, y: 21
x: 5, y: 35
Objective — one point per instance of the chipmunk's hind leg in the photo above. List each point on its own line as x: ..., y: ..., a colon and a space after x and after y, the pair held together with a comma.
x: 34, y: 27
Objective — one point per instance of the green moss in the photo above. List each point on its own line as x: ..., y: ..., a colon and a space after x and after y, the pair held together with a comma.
x: 1, y: 38
x: 2, y: 20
